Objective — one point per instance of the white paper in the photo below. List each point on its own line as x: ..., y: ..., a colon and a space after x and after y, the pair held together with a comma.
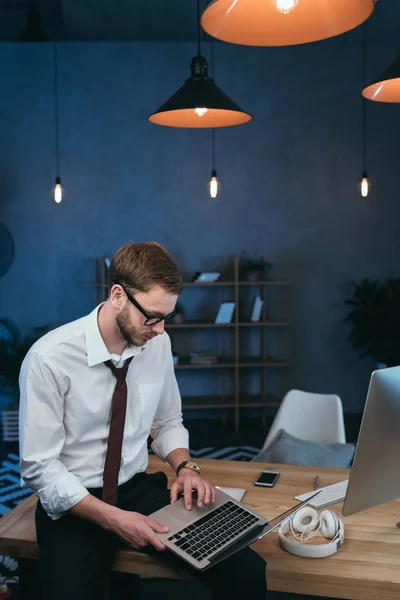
x: 236, y: 493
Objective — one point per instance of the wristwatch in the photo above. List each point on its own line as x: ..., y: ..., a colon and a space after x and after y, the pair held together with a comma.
x: 188, y: 464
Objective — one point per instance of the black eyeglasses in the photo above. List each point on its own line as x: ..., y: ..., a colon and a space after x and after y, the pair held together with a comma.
x: 150, y: 321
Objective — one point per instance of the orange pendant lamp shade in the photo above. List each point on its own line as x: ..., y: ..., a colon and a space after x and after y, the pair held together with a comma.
x: 387, y: 87
x: 282, y: 22
x: 199, y: 103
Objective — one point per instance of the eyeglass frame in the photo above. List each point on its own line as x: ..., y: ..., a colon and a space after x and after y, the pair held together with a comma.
x: 144, y: 313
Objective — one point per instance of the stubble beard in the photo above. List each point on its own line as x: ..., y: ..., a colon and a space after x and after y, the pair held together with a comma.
x: 126, y: 329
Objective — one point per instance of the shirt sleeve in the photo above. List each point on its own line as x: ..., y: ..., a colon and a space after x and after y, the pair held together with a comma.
x: 42, y: 436
x: 167, y: 431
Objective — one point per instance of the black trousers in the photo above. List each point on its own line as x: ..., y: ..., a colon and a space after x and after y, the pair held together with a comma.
x: 76, y: 555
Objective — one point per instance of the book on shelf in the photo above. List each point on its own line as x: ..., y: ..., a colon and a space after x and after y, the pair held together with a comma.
x: 207, y: 277
x: 257, y: 309
x: 225, y: 312
x: 203, y: 358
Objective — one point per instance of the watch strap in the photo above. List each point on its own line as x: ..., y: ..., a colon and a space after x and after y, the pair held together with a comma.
x: 186, y: 465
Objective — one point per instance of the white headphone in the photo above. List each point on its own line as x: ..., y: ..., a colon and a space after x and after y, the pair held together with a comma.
x: 303, y: 525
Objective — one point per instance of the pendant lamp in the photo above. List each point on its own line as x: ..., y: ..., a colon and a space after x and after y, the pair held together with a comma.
x: 199, y: 103
x: 387, y: 87
x: 282, y: 22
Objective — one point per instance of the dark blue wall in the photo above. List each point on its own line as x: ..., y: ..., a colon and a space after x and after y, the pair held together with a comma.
x: 289, y: 182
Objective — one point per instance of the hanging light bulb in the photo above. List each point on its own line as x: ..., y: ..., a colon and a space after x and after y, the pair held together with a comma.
x: 58, y: 191
x: 200, y: 111
x: 365, y: 185
x: 282, y: 22
x: 286, y: 6
x: 213, y: 184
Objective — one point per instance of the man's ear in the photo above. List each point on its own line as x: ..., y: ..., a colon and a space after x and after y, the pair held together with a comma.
x: 116, y: 295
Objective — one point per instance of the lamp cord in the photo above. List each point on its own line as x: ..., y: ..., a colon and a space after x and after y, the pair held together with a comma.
x: 212, y: 69
x: 56, y: 108
x: 213, y: 147
x: 198, y: 28
x: 364, y: 103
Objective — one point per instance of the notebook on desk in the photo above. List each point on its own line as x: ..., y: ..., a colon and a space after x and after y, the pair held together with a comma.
x: 204, y: 536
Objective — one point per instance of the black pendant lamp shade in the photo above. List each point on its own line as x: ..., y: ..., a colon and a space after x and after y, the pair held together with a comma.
x: 199, y: 103
x: 387, y: 87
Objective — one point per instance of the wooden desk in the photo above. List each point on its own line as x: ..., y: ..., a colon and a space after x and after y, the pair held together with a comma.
x: 367, y: 567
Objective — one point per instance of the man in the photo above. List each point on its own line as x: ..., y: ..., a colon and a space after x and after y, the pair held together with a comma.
x: 92, y: 391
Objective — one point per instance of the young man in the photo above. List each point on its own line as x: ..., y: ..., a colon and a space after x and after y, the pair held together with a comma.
x: 92, y: 391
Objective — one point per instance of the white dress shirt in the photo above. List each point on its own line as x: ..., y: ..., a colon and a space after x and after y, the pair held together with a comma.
x: 65, y: 411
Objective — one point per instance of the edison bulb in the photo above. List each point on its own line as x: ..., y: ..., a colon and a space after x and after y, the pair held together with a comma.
x: 365, y: 185
x: 58, y: 192
x: 213, y: 184
x: 285, y: 6
x: 200, y: 111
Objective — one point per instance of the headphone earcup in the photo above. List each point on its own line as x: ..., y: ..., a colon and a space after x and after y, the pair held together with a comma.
x: 305, y: 520
x: 329, y: 524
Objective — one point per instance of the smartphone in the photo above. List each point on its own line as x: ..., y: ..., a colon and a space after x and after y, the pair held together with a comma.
x: 267, y: 479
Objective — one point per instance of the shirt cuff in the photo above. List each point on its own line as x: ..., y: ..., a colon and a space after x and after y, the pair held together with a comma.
x: 170, y: 440
x: 59, y: 497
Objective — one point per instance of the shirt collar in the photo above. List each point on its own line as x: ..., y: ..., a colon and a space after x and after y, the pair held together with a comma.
x: 96, y: 349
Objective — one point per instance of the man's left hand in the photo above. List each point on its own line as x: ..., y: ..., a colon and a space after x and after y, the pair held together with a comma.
x: 189, y: 480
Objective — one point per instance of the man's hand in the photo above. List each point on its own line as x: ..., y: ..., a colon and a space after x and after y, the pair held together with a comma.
x: 137, y: 530
x: 189, y: 480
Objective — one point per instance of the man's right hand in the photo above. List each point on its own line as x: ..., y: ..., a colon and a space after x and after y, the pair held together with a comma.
x: 132, y: 527
x: 137, y: 531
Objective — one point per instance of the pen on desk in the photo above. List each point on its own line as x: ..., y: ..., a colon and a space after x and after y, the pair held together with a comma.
x: 316, y: 482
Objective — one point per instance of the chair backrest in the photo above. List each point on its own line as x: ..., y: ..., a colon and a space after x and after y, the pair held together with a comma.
x: 308, y: 416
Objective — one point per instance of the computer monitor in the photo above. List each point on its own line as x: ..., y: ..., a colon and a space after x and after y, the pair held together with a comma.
x: 375, y: 474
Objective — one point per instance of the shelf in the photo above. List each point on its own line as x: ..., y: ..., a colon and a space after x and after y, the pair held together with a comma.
x: 212, y: 402
x: 265, y: 282
x: 222, y: 283
x: 263, y: 324
x: 229, y: 363
x: 192, y: 324
x: 234, y: 367
x: 206, y: 283
x: 219, y: 283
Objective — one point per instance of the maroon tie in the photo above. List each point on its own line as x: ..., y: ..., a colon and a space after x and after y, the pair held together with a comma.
x: 115, y: 437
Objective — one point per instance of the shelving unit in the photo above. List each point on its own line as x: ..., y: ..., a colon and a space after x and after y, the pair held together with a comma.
x: 231, y: 363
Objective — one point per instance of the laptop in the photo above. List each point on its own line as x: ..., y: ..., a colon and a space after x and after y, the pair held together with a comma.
x: 204, y: 536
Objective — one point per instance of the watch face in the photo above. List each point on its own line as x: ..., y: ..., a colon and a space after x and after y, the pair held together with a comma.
x: 193, y: 464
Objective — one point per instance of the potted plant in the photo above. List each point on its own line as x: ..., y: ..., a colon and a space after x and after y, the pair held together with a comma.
x: 375, y: 320
x: 254, y: 268
x: 13, y: 349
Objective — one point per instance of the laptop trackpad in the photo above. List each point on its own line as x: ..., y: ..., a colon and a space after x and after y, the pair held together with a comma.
x: 178, y: 510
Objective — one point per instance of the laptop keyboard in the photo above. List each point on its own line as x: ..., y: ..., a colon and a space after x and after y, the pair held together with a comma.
x: 209, y: 533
